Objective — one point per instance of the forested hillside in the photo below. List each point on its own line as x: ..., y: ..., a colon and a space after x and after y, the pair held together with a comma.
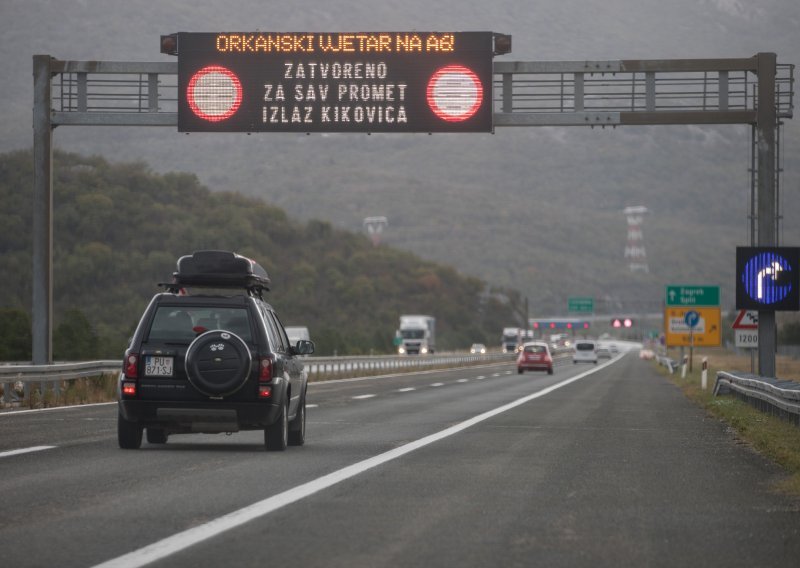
x: 119, y: 228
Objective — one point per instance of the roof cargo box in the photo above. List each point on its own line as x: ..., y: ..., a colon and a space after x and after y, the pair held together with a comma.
x: 220, y: 269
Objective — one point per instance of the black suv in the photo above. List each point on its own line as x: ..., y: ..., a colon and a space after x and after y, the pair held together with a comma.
x: 210, y: 355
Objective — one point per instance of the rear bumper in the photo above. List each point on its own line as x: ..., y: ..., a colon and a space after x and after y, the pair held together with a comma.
x: 535, y: 366
x: 209, y: 417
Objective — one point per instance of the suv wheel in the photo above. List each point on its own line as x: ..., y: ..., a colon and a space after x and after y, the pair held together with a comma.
x: 156, y: 436
x: 297, y: 427
x: 129, y: 434
x: 276, y: 436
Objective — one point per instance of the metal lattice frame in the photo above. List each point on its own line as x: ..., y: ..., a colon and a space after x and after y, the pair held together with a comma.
x: 526, y: 93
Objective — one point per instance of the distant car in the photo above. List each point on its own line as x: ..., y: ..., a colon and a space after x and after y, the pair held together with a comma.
x: 604, y: 351
x: 613, y: 348
x: 477, y: 348
x: 535, y: 356
x: 585, y: 351
x: 646, y: 354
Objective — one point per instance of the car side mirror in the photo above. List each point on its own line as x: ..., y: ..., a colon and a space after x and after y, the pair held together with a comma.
x: 304, y: 347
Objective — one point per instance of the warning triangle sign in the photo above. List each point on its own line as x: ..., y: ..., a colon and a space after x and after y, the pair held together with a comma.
x: 747, y: 319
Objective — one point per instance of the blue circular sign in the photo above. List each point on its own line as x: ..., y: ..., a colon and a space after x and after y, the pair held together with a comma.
x: 765, y: 278
x: 692, y: 318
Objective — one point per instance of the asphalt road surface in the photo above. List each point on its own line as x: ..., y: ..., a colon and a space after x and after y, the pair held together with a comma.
x: 602, y: 465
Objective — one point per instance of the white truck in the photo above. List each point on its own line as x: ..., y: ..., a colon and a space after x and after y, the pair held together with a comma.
x: 511, y: 339
x: 417, y: 335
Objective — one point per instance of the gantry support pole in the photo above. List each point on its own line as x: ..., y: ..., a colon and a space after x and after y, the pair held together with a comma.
x: 42, y: 307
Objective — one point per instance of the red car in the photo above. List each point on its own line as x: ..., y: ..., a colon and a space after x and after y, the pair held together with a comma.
x: 535, y: 356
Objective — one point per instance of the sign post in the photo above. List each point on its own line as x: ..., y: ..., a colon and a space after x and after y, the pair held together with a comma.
x: 692, y: 318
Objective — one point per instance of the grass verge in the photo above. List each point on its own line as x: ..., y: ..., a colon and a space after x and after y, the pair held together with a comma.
x: 774, y: 438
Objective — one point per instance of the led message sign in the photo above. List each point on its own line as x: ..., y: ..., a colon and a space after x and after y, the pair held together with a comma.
x: 767, y: 278
x: 335, y: 82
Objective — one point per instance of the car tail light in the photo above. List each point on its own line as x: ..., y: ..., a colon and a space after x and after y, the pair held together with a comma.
x: 265, y: 370
x: 129, y: 388
x: 264, y: 391
x: 132, y: 365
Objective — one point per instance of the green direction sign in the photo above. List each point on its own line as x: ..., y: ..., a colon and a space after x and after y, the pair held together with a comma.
x: 692, y: 295
x: 582, y: 305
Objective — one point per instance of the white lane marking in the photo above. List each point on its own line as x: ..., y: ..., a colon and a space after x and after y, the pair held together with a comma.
x: 462, y: 381
x: 480, y: 378
x: 437, y: 384
x: 508, y: 372
x: 496, y: 375
x: 407, y: 389
x: 25, y: 451
x: 363, y: 396
x: 312, y: 405
x: 190, y: 537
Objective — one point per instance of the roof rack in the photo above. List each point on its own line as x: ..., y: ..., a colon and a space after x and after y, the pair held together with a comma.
x: 219, y: 269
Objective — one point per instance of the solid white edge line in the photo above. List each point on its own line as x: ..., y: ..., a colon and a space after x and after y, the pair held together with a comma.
x: 25, y: 451
x: 183, y: 540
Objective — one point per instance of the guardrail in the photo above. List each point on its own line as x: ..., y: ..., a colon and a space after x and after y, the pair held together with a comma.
x: 780, y: 398
x: 319, y: 368
x: 668, y: 362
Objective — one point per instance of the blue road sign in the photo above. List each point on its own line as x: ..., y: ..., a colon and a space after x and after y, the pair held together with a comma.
x: 767, y: 278
x: 692, y: 318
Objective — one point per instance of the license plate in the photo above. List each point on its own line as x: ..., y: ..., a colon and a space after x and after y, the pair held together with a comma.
x: 156, y: 366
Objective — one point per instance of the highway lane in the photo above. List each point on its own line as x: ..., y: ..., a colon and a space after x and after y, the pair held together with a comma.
x: 615, y: 467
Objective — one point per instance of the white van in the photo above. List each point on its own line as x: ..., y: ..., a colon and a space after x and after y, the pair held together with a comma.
x: 584, y: 351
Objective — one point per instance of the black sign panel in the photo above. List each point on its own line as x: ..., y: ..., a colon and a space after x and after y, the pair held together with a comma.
x: 768, y: 278
x: 335, y: 82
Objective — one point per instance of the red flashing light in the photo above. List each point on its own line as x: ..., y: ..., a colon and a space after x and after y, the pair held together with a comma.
x: 585, y: 325
x: 214, y: 93
x: 129, y: 388
x: 628, y: 322
x: 132, y: 366
x: 536, y: 325
x: 569, y: 326
x: 454, y: 93
x: 552, y: 325
x: 616, y: 323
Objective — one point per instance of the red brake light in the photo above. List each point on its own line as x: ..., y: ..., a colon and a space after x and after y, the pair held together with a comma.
x: 265, y: 371
x: 132, y: 365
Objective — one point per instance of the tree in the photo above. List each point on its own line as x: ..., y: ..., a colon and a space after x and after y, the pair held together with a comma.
x: 15, y: 335
x: 74, y: 339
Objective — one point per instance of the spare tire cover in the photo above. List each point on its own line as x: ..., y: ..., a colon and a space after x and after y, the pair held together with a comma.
x: 218, y: 363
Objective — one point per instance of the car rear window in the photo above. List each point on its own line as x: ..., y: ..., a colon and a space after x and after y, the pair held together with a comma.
x: 182, y: 324
x: 584, y: 346
x: 535, y: 349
